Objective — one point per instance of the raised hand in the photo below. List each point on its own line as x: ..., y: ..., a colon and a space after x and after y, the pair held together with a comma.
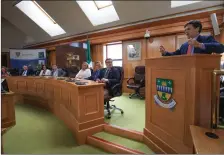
x: 194, y: 43
x: 162, y: 49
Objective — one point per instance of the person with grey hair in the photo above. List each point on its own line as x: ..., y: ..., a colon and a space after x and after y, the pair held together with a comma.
x: 85, y: 72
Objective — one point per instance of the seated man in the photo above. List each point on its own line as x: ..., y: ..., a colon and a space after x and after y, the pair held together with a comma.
x: 85, y: 72
x: 57, y: 72
x: 110, y: 76
x: 26, y: 71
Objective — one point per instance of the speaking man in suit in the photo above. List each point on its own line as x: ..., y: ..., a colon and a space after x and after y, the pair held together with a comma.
x: 110, y: 76
x: 196, y: 44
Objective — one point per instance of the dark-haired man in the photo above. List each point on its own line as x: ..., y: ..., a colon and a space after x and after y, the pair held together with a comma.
x: 110, y: 76
x: 26, y: 71
x: 196, y: 44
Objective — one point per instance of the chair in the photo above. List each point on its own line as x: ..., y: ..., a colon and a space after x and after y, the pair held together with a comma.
x: 137, y: 82
x: 221, y: 105
x: 115, y: 91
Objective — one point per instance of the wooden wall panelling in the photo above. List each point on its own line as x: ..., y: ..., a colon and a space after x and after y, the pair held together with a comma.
x: 167, y: 29
x: 129, y: 66
x: 130, y: 31
x: 168, y: 42
x: 97, y: 53
x: 52, y: 58
x: 5, y: 59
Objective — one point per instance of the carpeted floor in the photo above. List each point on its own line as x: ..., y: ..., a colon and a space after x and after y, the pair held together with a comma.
x: 134, y: 113
x: 38, y: 131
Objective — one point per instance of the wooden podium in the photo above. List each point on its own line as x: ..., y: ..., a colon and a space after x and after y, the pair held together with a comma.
x: 178, y: 94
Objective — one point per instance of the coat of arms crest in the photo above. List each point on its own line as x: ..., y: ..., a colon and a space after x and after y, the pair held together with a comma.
x: 164, y: 93
x: 17, y: 54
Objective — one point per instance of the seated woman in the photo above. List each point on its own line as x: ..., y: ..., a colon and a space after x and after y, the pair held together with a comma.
x: 84, y: 73
x: 4, y: 72
x: 45, y: 71
x: 96, y: 73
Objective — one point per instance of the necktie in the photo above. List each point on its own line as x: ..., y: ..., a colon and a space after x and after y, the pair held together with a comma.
x: 106, y: 74
x: 24, y: 73
x: 189, y: 49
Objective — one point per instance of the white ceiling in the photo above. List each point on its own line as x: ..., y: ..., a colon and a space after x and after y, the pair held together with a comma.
x: 71, y: 18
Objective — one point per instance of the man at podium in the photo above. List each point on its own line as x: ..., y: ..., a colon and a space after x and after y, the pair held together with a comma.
x: 196, y: 44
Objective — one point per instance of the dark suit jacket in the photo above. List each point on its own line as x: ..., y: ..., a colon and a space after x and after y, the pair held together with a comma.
x: 29, y: 72
x: 61, y: 73
x: 113, y: 76
x: 94, y: 75
x: 211, y: 46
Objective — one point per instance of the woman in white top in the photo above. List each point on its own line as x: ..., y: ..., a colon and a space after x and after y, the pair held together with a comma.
x: 45, y: 71
x: 85, y: 72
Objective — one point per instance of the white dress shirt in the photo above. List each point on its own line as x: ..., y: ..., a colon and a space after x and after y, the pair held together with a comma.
x: 24, y: 73
x: 47, y: 73
x: 82, y: 74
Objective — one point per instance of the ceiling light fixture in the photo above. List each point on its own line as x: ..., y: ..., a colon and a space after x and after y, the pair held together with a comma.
x: 36, y: 13
x: 175, y: 4
x: 99, y: 12
x: 102, y: 4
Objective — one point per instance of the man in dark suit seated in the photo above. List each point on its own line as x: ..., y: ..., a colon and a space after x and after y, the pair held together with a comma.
x: 196, y: 44
x: 110, y: 76
x: 26, y: 71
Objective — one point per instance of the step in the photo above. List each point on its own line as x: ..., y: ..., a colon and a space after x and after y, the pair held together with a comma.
x: 122, y: 132
x: 117, y: 144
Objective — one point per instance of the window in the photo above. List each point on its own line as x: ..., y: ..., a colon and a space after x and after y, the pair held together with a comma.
x: 175, y: 4
x: 102, y: 4
x: 99, y: 12
x: 36, y: 13
x: 113, y: 51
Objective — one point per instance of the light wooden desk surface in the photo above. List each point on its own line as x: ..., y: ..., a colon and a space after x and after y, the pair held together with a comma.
x: 206, y: 145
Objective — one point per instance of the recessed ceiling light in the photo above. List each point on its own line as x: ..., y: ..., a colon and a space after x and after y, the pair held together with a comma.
x: 35, y: 12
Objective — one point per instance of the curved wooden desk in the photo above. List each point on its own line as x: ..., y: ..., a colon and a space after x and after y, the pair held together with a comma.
x: 81, y: 107
x: 8, y: 113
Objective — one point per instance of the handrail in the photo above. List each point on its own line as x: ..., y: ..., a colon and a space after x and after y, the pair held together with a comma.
x: 214, y: 117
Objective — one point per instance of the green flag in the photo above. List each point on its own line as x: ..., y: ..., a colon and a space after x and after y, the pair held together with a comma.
x: 88, y: 54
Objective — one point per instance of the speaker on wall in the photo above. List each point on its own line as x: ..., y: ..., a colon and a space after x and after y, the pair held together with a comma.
x: 215, y: 24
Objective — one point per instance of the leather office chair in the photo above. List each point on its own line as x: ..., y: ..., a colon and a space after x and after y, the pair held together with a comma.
x: 137, y: 82
x: 115, y: 91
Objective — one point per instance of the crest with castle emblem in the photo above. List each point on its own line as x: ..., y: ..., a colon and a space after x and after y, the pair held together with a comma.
x: 17, y: 54
x: 164, y: 93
